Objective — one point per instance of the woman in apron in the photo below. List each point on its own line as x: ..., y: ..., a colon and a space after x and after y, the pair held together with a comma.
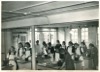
x: 12, y: 58
x: 44, y: 48
x: 68, y: 63
x: 28, y: 52
x: 57, y: 49
x: 94, y: 55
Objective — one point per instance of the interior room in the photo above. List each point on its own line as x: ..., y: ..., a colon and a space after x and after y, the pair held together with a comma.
x: 50, y: 35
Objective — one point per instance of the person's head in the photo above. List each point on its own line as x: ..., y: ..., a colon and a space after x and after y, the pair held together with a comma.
x: 82, y: 44
x: 44, y: 43
x: 63, y: 43
x: 91, y: 45
x: 49, y: 44
x: 37, y: 42
x: 20, y: 45
x: 76, y: 45
x: 27, y: 44
x: 58, y: 42
x: 12, y: 48
x: 70, y: 43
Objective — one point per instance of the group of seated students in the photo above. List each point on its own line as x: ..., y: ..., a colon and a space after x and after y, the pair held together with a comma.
x: 64, y: 56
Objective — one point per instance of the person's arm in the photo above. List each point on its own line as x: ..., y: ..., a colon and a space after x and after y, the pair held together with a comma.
x: 62, y: 66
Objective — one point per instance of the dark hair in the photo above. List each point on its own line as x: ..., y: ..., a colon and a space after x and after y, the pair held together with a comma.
x: 44, y: 43
x: 76, y: 44
x: 28, y: 44
x: 13, y: 50
x: 91, y: 45
x: 49, y: 43
x: 21, y: 44
x: 37, y: 41
x: 58, y: 41
x: 64, y: 42
x: 70, y: 42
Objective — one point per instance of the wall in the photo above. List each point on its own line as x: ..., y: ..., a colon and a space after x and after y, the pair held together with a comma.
x: 93, y: 35
x: 6, y: 42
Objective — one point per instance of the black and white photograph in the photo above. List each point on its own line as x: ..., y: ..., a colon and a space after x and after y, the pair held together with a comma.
x: 50, y: 35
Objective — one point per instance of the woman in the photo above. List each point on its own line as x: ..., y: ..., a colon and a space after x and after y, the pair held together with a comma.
x: 68, y: 63
x: 38, y: 49
x: 28, y: 52
x: 57, y: 50
x: 62, y: 47
x: 71, y: 48
x: 78, y: 56
x: 83, y: 48
x: 11, y: 56
x: 94, y: 55
x: 44, y: 49
x: 21, y: 50
x: 51, y: 51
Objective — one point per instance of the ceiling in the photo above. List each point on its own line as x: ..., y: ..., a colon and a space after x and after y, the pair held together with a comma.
x: 21, y: 9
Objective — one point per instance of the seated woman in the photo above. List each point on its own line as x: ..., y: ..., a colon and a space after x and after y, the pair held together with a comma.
x: 11, y: 56
x: 94, y: 55
x: 28, y: 52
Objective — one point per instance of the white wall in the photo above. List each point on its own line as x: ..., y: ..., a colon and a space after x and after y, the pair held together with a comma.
x: 93, y: 36
x: 6, y: 42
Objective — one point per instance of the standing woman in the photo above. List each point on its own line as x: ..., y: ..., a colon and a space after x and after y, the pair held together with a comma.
x: 71, y: 48
x: 83, y: 48
x: 51, y: 51
x: 68, y: 63
x: 94, y: 55
x: 21, y: 50
x: 12, y: 58
x: 62, y: 47
x: 28, y: 51
x: 57, y: 50
x: 44, y: 48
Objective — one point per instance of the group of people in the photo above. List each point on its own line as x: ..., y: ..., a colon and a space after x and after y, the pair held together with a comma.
x: 23, y: 52
x: 64, y: 56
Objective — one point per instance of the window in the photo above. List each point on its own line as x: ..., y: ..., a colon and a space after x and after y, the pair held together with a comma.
x: 84, y: 34
x: 37, y: 36
x: 74, y: 35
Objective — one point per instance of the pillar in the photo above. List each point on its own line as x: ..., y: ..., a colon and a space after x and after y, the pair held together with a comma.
x: 33, y: 64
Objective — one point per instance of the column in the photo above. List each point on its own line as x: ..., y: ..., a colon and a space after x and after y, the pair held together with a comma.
x: 33, y: 64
